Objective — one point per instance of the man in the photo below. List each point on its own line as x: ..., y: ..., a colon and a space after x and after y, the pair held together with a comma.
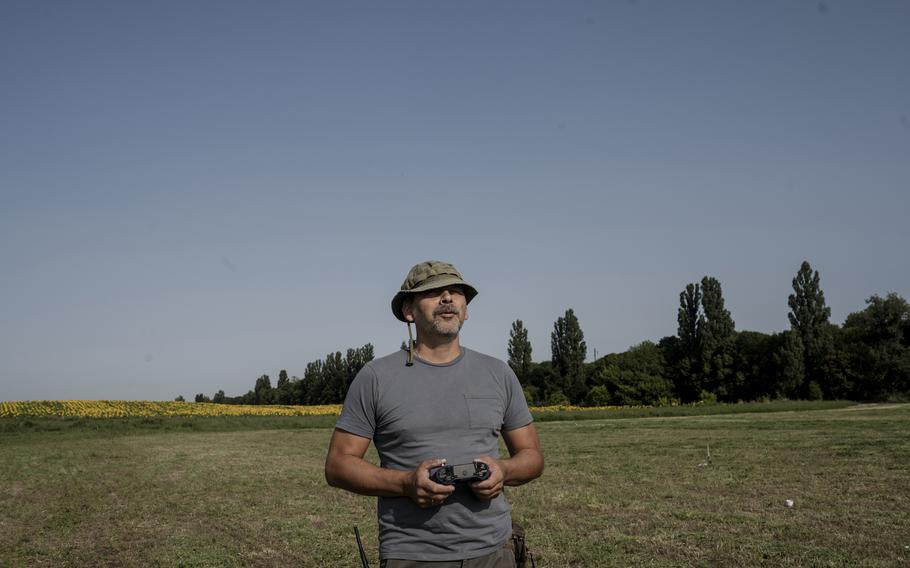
x: 436, y: 403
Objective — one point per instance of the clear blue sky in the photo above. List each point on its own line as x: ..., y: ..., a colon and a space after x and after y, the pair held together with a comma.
x: 197, y: 193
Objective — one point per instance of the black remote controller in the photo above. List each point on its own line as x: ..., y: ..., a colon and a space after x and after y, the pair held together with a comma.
x: 464, y: 473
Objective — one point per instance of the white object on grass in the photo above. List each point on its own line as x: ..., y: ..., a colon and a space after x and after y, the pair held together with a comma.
x: 707, y: 461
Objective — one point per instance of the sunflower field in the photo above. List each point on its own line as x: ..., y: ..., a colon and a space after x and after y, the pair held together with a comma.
x: 145, y: 408
x: 142, y: 408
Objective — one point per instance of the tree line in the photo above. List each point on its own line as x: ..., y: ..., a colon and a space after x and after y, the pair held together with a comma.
x: 324, y: 381
x: 866, y: 358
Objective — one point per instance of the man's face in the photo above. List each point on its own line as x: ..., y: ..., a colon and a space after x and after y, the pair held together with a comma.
x: 441, y: 311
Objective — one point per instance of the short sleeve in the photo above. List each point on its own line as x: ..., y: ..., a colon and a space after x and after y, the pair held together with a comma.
x: 517, y: 413
x: 358, y: 414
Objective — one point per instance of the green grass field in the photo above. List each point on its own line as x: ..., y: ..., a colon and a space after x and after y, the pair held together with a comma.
x: 636, y: 491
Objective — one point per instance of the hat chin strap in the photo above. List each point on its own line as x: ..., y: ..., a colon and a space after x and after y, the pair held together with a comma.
x: 410, y: 362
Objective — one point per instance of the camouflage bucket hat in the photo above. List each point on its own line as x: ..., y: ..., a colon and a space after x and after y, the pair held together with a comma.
x: 430, y: 275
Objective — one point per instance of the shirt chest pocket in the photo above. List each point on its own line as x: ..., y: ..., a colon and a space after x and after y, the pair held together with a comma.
x: 484, y: 412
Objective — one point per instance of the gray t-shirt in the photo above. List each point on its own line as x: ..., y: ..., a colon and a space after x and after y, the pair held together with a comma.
x: 454, y: 411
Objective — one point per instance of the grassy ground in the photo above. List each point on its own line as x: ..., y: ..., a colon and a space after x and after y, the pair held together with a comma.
x: 628, y: 492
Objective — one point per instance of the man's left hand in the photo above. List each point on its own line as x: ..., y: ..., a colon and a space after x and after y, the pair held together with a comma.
x: 490, y: 487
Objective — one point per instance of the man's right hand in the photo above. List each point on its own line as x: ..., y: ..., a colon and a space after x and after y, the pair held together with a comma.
x: 423, y: 490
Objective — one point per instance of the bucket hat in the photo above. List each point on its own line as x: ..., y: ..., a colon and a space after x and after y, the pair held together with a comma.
x: 430, y: 275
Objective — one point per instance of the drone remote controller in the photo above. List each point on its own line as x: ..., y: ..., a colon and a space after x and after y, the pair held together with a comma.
x: 465, y: 473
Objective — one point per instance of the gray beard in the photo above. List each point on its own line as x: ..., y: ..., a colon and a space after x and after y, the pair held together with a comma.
x: 445, y: 329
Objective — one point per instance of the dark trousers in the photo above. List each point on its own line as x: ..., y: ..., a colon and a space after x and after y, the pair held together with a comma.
x: 502, y: 558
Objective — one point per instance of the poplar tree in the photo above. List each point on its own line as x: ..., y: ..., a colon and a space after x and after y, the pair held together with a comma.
x: 691, y: 324
x: 569, y: 350
x: 520, y: 351
x: 263, y: 391
x: 809, y: 321
x: 313, y: 382
x: 716, y: 338
x: 718, y: 324
x: 334, y: 374
x: 284, y: 392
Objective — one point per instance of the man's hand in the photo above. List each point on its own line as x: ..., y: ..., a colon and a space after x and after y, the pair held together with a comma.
x: 490, y: 487
x: 424, y: 491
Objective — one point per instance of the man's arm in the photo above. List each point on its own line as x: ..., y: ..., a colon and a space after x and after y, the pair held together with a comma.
x: 526, y: 461
x: 346, y: 468
x: 524, y: 464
